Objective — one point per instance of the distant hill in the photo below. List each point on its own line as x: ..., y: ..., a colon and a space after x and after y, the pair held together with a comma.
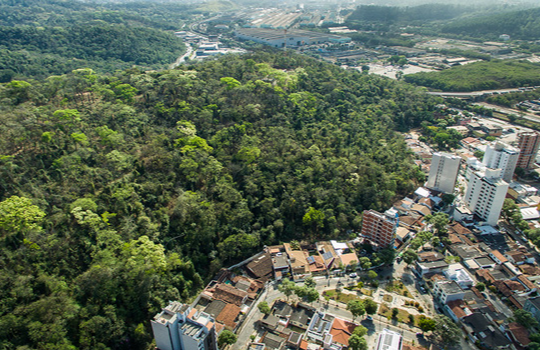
x: 39, y: 38
x: 524, y: 24
x: 480, y: 76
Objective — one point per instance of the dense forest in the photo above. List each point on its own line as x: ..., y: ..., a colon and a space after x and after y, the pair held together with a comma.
x: 490, y: 75
x: 54, y: 37
x: 121, y: 192
x: 524, y: 25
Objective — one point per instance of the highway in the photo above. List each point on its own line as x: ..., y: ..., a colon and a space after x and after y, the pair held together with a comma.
x: 507, y: 111
x: 473, y: 93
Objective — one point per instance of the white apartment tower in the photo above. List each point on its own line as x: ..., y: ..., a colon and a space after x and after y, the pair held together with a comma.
x: 502, y: 156
x: 180, y: 327
x: 485, y: 194
x: 443, y: 172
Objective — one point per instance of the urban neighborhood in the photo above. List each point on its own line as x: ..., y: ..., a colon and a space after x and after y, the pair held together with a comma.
x: 453, y: 254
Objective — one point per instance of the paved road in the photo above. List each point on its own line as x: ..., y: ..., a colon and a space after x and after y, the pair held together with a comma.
x: 505, y: 110
x: 473, y: 93
x: 374, y: 326
x: 182, y: 58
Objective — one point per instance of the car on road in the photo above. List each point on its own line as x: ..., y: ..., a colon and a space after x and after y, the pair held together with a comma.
x: 420, y: 335
x: 369, y: 318
x: 353, y: 275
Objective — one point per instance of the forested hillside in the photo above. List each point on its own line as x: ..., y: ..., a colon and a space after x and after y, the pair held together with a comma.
x: 523, y: 25
x: 393, y: 14
x: 490, y: 75
x: 52, y: 37
x: 119, y: 193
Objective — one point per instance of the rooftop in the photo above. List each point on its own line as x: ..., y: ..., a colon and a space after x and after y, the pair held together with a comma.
x: 215, y: 307
x: 499, y: 256
x: 229, y: 294
x: 535, y: 302
x: 450, y: 287
x: 341, y: 331
x: 430, y: 256
x: 272, y: 341
x: 389, y: 340
x: 228, y: 315
x: 483, y: 261
x: 519, y: 333
x: 261, y: 266
x: 434, y: 264
x: 191, y: 329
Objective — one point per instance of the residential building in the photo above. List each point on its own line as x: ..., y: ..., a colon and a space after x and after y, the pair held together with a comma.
x: 518, y: 334
x: 272, y: 341
x: 424, y: 268
x: 485, y: 194
x: 479, y: 328
x: 280, y: 264
x: 445, y: 291
x: 180, y: 327
x: 389, y: 340
x: 298, y: 261
x: 261, y: 267
x: 345, y: 253
x: 492, y: 130
x: 341, y: 332
x: 528, y: 143
x: 457, y: 310
x: 533, y: 306
x: 520, y: 256
x: 443, y: 172
x: 320, y: 326
x: 498, y: 257
x: 379, y: 228
x: 518, y: 191
x: 499, y: 155
x: 457, y: 272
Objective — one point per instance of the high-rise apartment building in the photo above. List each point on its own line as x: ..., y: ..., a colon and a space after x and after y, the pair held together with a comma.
x: 443, y: 172
x: 485, y: 194
x: 379, y: 228
x: 502, y: 156
x: 180, y: 327
x: 528, y: 143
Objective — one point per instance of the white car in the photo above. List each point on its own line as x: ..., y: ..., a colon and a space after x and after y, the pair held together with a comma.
x: 353, y: 275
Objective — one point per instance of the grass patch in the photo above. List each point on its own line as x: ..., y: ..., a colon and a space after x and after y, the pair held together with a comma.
x: 402, y: 315
x: 341, y: 297
x: 367, y: 292
x: 399, y: 288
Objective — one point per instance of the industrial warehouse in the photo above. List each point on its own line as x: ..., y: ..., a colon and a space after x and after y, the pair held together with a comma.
x: 288, y: 38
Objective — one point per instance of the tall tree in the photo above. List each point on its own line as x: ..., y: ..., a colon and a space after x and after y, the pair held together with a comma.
x: 356, y: 307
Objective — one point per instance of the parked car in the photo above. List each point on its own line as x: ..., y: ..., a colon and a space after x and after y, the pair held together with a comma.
x: 353, y: 275
x: 369, y: 318
x: 420, y: 335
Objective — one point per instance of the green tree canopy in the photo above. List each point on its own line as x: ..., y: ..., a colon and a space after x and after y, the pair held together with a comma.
x: 226, y: 337
x: 356, y: 307
x: 18, y: 214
